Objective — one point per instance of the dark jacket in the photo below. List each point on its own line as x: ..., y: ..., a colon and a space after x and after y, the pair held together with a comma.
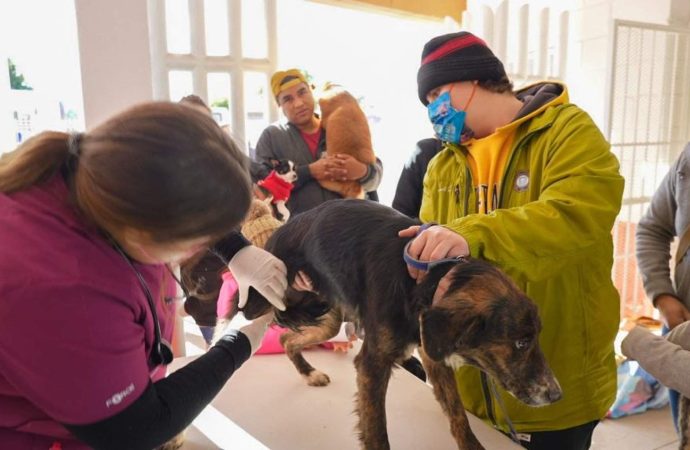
x: 284, y: 141
x: 408, y: 194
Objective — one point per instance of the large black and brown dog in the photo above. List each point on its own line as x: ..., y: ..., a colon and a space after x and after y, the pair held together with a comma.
x: 351, y: 251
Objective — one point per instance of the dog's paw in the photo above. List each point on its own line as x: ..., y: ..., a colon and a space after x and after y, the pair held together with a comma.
x: 343, y: 347
x: 316, y: 378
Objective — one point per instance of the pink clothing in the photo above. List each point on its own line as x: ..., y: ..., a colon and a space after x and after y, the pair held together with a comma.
x: 227, y: 291
x: 271, y: 342
x: 76, y: 327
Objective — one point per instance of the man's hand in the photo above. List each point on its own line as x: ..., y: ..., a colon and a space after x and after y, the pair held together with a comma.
x: 672, y: 310
x: 319, y: 168
x: 345, y: 168
x: 434, y: 243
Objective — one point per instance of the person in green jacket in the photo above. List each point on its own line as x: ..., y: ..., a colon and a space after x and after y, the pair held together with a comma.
x: 527, y: 182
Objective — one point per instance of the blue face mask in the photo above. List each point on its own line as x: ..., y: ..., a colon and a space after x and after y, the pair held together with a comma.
x: 448, y: 122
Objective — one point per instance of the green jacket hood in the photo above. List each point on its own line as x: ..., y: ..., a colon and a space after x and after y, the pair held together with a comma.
x: 537, y: 95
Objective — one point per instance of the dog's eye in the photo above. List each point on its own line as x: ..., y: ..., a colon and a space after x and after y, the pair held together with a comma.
x: 522, y: 343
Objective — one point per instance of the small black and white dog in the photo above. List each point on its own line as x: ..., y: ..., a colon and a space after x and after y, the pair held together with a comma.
x: 277, y: 186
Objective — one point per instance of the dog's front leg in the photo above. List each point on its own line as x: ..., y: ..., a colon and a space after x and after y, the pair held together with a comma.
x: 442, y: 379
x: 283, y: 211
x: 295, y: 342
x: 373, y: 373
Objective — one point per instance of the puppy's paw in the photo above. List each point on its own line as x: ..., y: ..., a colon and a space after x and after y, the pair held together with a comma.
x: 316, y: 378
x: 341, y: 346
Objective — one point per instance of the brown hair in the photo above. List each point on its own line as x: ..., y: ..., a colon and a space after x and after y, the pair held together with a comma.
x: 500, y: 86
x: 162, y: 168
x: 195, y: 100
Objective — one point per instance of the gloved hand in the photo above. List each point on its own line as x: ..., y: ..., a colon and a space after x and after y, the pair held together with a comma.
x: 253, y: 266
x: 253, y: 329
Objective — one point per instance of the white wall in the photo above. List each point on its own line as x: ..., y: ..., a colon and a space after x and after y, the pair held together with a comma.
x: 376, y: 56
x: 591, y: 37
x: 679, y: 14
x: 7, y: 137
x: 115, y: 56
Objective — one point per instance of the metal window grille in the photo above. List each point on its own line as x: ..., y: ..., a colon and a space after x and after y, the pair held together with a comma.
x: 240, y: 65
x: 649, y: 123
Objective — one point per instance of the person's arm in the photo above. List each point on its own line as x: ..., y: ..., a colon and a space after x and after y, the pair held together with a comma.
x: 253, y: 266
x: 372, y: 179
x: 258, y: 171
x: 581, y: 192
x: 653, y: 238
x: 667, y: 359
x: 168, y: 406
x: 226, y: 248
x: 263, y: 153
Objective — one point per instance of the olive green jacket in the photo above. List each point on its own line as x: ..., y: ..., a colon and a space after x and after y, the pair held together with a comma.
x: 560, y: 194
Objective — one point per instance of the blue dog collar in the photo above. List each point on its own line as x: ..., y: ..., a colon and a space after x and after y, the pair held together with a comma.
x: 427, y: 265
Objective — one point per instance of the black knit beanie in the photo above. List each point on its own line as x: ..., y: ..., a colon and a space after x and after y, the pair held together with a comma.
x: 454, y: 57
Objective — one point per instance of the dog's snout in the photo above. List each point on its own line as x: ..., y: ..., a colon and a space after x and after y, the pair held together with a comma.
x: 553, y: 395
x: 550, y: 391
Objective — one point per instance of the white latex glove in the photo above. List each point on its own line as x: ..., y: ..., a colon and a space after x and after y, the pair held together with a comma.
x: 253, y: 266
x: 253, y: 329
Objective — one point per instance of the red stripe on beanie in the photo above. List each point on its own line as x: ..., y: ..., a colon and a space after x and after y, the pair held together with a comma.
x: 451, y: 46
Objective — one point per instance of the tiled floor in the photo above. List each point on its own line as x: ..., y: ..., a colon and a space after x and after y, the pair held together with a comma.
x: 651, y: 430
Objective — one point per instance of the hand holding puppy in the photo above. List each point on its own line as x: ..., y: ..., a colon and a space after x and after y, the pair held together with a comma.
x: 344, y: 167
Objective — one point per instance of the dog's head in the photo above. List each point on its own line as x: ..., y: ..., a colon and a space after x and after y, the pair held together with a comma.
x: 485, y: 321
x: 332, y: 97
x: 285, y: 169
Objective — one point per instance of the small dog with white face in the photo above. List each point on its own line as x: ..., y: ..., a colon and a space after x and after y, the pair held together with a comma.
x: 277, y: 186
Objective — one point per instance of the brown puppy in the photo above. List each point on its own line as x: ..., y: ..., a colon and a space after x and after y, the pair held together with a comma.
x: 351, y: 252
x: 347, y: 132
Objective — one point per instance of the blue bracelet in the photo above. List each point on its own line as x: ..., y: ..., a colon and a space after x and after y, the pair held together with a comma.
x: 427, y: 265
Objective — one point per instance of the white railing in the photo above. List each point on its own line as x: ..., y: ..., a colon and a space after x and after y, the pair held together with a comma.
x: 531, y: 38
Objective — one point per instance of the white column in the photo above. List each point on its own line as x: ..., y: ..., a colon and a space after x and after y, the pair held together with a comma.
x: 115, y: 56
x: 7, y: 138
x: 679, y: 15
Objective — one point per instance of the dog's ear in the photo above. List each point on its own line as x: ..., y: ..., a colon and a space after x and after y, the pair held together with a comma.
x: 444, y: 332
x: 274, y: 162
